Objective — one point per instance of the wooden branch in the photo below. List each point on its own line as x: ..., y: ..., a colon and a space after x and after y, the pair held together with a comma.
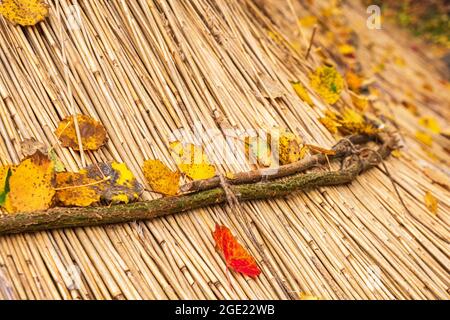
x: 91, y: 216
x: 342, y: 148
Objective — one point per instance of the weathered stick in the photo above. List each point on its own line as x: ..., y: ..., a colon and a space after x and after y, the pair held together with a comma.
x: 78, y: 217
x: 342, y: 148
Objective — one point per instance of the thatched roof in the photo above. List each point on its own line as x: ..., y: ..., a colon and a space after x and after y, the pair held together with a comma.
x: 148, y: 68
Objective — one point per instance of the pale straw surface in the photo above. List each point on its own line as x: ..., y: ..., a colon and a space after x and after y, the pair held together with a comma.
x: 146, y: 68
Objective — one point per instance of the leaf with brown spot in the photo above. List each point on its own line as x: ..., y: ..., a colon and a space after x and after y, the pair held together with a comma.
x: 92, y: 132
x: 77, y: 189
x: 31, y: 185
x: 119, y: 186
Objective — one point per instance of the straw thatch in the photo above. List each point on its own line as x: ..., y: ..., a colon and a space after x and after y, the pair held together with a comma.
x: 147, y: 68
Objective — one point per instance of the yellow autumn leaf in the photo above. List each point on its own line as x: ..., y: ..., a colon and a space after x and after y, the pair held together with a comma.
x: 76, y: 189
x: 307, y: 21
x: 399, y: 61
x: 114, y: 181
x: 396, y: 153
x: 354, y: 122
x: 160, y: 178
x: 330, y: 121
x: 24, y: 12
x: 431, y: 202
x: 302, y: 92
x: 31, y: 185
x: 92, y: 132
x: 359, y: 101
x: 328, y: 83
x: 229, y: 175
x: 192, y: 161
x: 346, y: 49
x: 275, y: 36
x: 424, y: 138
x: 291, y: 148
x: 306, y: 296
x: 430, y: 123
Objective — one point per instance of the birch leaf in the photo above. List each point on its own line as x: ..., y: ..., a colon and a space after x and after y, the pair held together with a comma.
x: 76, y: 189
x: 119, y: 184
x: 160, y: 178
x: 24, y: 12
x: 192, y: 161
x: 31, y: 185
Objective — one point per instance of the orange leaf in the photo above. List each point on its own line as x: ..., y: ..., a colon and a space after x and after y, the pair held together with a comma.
x: 236, y: 256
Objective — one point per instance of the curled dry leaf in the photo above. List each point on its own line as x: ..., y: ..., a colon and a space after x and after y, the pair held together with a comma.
x: 160, y: 178
x: 31, y: 185
x: 30, y: 145
x: 431, y: 202
x: 317, y: 149
x: 192, y: 161
x: 92, y: 132
x: 24, y: 12
x: 328, y: 83
x: 236, y: 256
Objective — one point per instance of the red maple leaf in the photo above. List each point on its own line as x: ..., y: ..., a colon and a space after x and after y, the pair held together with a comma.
x: 236, y: 256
